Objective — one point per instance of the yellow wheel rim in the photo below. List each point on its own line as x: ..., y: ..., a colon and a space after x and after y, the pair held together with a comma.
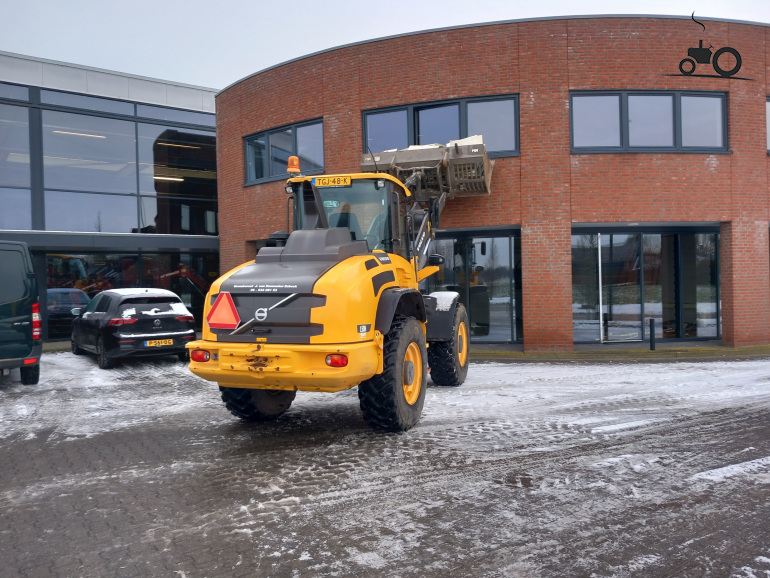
x: 462, y: 344
x: 413, y: 359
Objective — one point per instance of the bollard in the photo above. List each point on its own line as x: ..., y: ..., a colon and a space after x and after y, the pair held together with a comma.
x: 652, y: 335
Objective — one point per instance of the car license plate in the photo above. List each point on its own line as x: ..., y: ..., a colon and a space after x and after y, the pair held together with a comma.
x: 158, y: 342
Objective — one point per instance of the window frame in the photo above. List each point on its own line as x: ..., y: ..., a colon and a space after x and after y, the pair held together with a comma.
x: 266, y: 161
x: 625, y: 147
x: 413, y: 110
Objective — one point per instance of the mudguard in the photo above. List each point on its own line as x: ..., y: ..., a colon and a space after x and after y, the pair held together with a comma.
x: 407, y: 302
x: 440, y: 307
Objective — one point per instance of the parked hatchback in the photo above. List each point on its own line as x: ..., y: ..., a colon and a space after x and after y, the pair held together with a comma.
x: 20, y: 322
x: 122, y: 323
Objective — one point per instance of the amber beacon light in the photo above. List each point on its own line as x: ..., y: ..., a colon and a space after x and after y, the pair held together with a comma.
x: 293, y: 165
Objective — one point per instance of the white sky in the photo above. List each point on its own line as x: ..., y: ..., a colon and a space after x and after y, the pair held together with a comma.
x: 215, y: 43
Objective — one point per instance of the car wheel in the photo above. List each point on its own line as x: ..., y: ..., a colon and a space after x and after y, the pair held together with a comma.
x: 30, y: 374
x: 104, y: 360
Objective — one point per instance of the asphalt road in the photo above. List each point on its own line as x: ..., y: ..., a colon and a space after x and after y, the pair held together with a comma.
x: 526, y: 470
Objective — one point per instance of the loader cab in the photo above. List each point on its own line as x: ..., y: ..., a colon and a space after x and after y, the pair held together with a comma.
x: 371, y: 207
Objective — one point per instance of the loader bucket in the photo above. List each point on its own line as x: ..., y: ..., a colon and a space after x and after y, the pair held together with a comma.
x: 459, y: 170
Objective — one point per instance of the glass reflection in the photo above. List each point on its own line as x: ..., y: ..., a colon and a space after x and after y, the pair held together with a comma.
x: 280, y: 151
x: 173, y: 216
x: 88, y: 153
x: 310, y: 147
x: 14, y: 146
x: 585, y: 288
x: 438, y: 124
x: 16, y: 213
x: 84, y: 212
x: 86, y: 102
x: 702, y: 121
x: 621, y: 295
x: 650, y: 120
x: 596, y: 121
x: 177, y: 162
x: 495, y: 120
x: 386, y: 131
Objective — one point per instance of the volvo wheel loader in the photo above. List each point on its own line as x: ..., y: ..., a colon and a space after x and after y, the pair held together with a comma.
x: 337, y: 303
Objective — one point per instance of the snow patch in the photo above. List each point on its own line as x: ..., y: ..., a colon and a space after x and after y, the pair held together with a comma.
x: 720, y: 474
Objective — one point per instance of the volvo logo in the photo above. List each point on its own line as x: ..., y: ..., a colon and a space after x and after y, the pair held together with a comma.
x: 260, y: 314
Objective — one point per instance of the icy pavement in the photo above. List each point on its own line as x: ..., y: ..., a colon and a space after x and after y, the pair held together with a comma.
x: 526, y: 470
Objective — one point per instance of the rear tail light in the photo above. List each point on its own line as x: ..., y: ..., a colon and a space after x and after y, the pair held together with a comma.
x: 37, y: 327
x: 30, y: 361
x: 185, y: 318
x: 118, y: 321
x: 200, y: 355
x: 336, y: 360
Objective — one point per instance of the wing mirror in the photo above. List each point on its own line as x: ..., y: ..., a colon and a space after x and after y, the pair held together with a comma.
x: 435, y: 260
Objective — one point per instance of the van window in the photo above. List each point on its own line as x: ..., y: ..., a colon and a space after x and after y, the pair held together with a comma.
x: 14, y: 287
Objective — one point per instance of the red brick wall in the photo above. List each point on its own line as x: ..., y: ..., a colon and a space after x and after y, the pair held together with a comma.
x: 544, y: 190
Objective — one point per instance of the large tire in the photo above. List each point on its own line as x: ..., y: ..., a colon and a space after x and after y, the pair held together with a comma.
x: 449, y: 360
x: 104, y: 360
x: 393, y: 400
x: 257, y: 404
x: 30, y: 374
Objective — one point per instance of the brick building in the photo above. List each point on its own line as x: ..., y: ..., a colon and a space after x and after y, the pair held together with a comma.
x: 630, y: 180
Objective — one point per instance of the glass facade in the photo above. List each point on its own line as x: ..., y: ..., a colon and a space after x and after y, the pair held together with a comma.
x: 95, y: 167
x: 621, y: 281
x: 486, y: 272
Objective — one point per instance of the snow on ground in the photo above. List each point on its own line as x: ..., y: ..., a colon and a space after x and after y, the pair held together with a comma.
x: 602, y: 469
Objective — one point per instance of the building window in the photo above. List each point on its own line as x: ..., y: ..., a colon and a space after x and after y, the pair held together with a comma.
x: 14, y: 146
x: 268, y: 152
x: 88, y: 153
x: 14, y: 91
x: 90, y: 212
x: 494, y: 118
x: 626, y: 121
x: 16, y: 214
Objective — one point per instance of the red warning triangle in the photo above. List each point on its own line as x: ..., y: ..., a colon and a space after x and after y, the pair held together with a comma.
x: 223, y: 314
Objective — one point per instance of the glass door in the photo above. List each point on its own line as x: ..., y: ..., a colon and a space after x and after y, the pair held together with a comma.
x: 620, y: 294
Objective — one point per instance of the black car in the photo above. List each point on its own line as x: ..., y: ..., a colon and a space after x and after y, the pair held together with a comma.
x: 130, y: 323
x: 20, y: 321
x: 61, y: 302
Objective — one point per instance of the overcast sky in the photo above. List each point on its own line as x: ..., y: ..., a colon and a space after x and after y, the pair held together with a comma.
x: 214, y: 43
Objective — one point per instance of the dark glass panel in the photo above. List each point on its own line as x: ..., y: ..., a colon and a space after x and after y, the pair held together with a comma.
x: 495, y: 120
x: 86, y: 102
x: 699, y: 285
x: 14, y: 146
x: 174, y: 216
x: 310, y: 147
x: 65, y: 211
x: 256, y: 158
x: 91, y: 273
x: 585, y: 288
x: 14, y: 92
x: 177, y: 162
x: 621, y: 292
x: 438, y: 124
x: 596, y: 121
x: 660, y: 284
x: 175, y: 115
x: 16, y: 211
x: 702, y: 122
x: 651, y: 120
x: 281, y: 148
x: 386, y: 131
x: 88, y: 153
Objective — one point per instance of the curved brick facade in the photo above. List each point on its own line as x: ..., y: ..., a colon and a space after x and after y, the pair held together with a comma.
x: 546, y: 190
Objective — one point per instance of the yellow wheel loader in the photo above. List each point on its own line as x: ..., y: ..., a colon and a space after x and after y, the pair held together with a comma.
x: 337, y: 303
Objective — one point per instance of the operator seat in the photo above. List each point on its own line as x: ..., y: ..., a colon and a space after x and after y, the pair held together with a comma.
x: 348, y: 220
